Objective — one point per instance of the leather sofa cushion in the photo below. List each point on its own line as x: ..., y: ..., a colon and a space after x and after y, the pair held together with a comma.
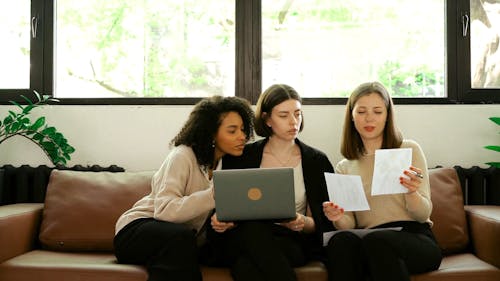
x: 448, y: 214
x: 81, y: 208
x: 484, y: 228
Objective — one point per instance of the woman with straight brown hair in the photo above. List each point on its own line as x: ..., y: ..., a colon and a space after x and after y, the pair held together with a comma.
x: 385, y: 255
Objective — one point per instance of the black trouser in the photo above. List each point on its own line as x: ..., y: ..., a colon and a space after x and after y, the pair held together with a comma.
x: 168, y: 250
x: 257, y: 250
x: 387, y: 255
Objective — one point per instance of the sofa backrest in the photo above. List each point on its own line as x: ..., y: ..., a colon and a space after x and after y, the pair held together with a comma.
x: 448, y: 214
x: 81, y: 208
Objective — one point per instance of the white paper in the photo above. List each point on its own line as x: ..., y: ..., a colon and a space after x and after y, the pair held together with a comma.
x: 346, y: 191
x: 360, y: 232
x: 389, y: 166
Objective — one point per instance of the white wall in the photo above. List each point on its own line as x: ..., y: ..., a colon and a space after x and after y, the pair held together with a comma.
x: 137, y: 137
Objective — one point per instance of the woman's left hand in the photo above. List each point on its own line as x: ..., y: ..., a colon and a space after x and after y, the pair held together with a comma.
x: 412, y: 180
x: 220, y: 226
x: 297, y: 224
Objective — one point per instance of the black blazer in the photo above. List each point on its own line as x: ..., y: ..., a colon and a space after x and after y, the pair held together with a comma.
x: 314, y: 164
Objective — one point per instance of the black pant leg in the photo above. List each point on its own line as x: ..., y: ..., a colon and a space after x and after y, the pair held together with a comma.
x: 244, y: 269
x: 168, y: 250
x: 345, y: 258
x: 291, y: 244
x: 395, y: 255
x: 253, y: 253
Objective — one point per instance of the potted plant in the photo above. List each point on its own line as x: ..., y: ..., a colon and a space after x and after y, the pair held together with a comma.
x: 494, y: 147
x: 52, y: 142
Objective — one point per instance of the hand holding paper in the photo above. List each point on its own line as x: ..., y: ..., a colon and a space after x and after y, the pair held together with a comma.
x: 389, y: 166
x: 346, y: 191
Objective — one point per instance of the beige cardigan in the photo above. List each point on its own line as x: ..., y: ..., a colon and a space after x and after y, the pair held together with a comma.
x: 388, y: 208
x: 180, y: 192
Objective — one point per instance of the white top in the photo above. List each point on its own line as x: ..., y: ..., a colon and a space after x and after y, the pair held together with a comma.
x: 300, y: 189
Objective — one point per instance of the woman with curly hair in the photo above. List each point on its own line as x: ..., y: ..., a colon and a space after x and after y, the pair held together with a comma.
x: 165, y: 229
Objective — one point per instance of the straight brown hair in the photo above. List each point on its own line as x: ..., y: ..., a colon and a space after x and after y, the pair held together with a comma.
x: 351, y: 145
x: 271, y: 97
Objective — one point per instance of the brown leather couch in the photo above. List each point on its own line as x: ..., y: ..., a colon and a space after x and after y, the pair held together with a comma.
x: 69, y: 237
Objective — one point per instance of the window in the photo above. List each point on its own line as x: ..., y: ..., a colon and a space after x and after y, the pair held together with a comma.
x: 481, y: 36
x: 171, y: 51
x: 325, y: 48
x: 477, y: 26
x: 485, y: 40
x: 15, y: 55
x: 154, y: 48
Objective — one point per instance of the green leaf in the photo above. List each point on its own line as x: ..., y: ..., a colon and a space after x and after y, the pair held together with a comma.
x: 13, y: 114
x: 27, y: 109
x: 29, y: 133
x: 68, y: 149
x: 60, y: 161
x: 38, y: 124
x: 8, y: 120
x: 27, y: 99
x: 494, y: 164
x: 38, y: 96
x: 493, y: 147
x: 15, y: 127
x: 38, y: 137
x: 53, y: 156
x: 48, y: 146
x: 16, y: 104
x: 49, y: 131
x: 495, y: 119
x: 25, y: 122
x: 57, y: 138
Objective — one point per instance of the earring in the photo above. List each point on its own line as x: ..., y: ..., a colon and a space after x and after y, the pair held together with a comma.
x: 213, y: 144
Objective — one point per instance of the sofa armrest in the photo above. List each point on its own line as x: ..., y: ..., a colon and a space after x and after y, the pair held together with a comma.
x: 19, y: 225
x: 484, y: 227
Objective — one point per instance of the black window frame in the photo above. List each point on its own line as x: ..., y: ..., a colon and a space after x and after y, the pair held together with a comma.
x: 249, y: 62
x: 467, y: 94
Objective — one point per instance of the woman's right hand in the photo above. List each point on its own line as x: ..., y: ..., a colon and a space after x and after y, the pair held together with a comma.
x: 332, y: 211
x: 220, y: 226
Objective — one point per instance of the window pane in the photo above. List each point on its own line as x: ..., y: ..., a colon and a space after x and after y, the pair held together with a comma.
x: 326, y: 48
x: 485, y: 41
x: 15, y: 55
x: 144, y: 48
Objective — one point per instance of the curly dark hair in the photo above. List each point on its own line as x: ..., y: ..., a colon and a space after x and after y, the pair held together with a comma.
x: 199, y: 130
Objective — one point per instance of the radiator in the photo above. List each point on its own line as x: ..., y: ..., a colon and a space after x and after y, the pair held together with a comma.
x: 480, y: 186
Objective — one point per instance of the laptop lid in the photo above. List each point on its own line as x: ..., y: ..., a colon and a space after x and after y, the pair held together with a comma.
x: 254, y: 194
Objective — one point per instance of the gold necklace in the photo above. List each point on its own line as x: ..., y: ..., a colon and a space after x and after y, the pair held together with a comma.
x: 279, y: 160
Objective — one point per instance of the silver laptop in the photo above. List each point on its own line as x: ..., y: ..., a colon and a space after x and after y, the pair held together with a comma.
x: 254, y: 194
